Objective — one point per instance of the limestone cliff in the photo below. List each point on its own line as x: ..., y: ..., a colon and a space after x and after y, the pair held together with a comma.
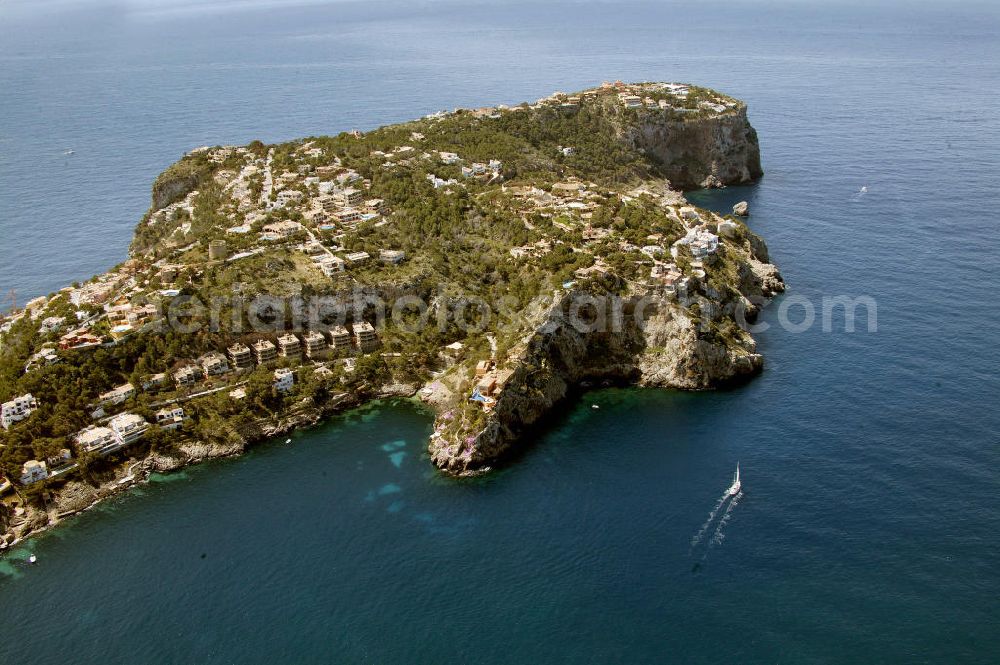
x: 177, y: 182
x: 709, y: 151
x: 686, y: 340
x: 507, y: 229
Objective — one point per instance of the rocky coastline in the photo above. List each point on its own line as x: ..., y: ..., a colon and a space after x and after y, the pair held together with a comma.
x: 77, y: 496
x: 620, y: 281
x: 665, y: 347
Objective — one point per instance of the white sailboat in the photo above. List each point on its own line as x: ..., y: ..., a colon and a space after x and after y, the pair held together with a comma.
x: 735, y: 488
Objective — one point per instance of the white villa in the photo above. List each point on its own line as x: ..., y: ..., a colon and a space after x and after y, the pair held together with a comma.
x: 51, y: 324
x: 281, y: 230
x: 123, y: 430
x: 357, y: 257
x: 128, y: 428
x: 188, y: 375
x: 393, y: 256
x: 33, y: 471
x: 702, y: 243
x: 331, y: 265
x: 477, y: 169
x: 284, y: 379
x: 119, y: 395
x: 286, y: 196
x: 17, y: 409
x: 170, y: 417
x: 100, y: 440
x: 630, y: 101
x: 214, y: 363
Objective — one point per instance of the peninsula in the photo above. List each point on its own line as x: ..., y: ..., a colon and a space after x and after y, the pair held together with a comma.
x: 489, y: 261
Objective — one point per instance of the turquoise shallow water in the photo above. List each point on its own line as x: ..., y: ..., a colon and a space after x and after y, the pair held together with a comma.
x: 327, y: 550
x: 868, y: 531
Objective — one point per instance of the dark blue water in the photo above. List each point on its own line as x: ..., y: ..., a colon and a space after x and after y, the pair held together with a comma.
x: 869, y: 529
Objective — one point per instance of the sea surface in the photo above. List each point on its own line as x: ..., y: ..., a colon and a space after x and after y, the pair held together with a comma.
x: 869, y: 526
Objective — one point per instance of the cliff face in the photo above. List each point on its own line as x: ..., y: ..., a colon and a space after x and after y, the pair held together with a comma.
x: 686, y: 339
x: 663, y: 340
x: 699, y: 152
x: 173, y: 185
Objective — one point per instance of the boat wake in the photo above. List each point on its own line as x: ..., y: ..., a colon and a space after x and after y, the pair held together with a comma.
x: 711, y: 518
x: 719, y: 536
x: 726, y: 504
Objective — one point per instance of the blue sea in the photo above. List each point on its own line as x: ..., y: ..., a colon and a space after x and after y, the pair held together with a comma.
x: 869, y: 526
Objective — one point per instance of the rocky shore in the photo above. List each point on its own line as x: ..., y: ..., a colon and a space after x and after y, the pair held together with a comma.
x: 665, y: 346
x: 676, y: 343
x: 564, y: 218
x: 77, y: 496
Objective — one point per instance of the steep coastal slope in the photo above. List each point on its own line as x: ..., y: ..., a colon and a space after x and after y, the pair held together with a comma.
x: 700, y: 152
x: 652, y: 337
x: 500, y: 257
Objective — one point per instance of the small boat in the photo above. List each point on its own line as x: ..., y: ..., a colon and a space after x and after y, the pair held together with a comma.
x: 32, y: 559
x: 288, y: 441
x: 735, y: 488
x: 594, y: 406
x: 69, y: 151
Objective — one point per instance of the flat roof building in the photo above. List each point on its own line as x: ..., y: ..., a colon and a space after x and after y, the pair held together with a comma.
x: 314, y: 344
x: 355, y: 258
x: 284, y: 379
x: 289, y: 347
x: 265, y: 351
x: 353, y: 197
x: 171, y: 417
x: 99, y: 440
x: 340, y: 339
x: 17, y: 409
x: 331, y: 265
x: 118, y: 395
x: 365, y: 336
x: 187, y: 375
x: 279, y: 230
x: 154, y: 381
x: 240, y: 356
x: 348, y: 216
x: 128, y: 427
x: 33, y: 471
x: 214, y: 363
x: 393, y: 256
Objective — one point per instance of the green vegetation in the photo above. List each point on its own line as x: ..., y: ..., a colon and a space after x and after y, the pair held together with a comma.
x: 568, y: 194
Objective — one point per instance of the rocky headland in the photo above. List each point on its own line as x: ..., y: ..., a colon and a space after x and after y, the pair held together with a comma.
x: 560, y: 225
